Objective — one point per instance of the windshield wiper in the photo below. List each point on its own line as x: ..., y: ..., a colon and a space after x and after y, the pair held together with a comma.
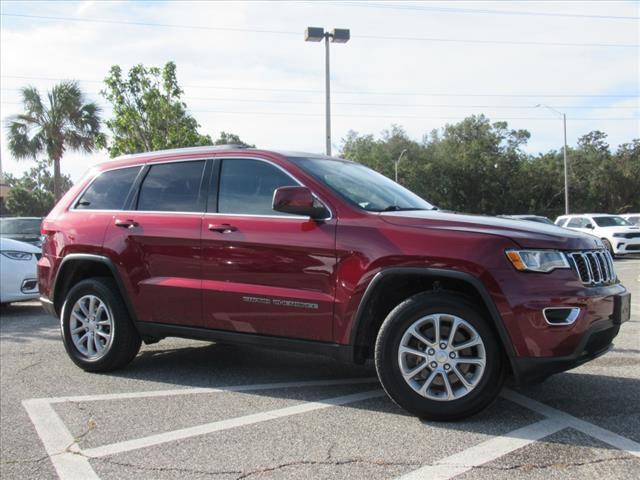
x: 396, y: 208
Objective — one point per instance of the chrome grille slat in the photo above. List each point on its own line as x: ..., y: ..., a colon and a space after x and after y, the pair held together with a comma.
x: 594, y: 267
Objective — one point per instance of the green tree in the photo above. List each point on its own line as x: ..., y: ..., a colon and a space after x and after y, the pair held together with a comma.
x: 231, y: 139
x: 148, y: 111
x: 32, y: 195
x: 65, y: 121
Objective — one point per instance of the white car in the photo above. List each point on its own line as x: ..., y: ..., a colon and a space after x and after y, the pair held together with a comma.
x: 632, y: 217
x: 619, y: 235
x: 18, y: 271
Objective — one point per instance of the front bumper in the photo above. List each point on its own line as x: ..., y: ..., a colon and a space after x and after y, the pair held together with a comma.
x: 622, y: 246
x: 595, y: 342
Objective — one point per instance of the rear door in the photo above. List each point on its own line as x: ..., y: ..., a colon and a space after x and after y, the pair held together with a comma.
x: 157, y: 242
x: 264, y: 272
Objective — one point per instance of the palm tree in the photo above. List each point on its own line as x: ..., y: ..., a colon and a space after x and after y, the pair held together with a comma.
x: 66, y: 122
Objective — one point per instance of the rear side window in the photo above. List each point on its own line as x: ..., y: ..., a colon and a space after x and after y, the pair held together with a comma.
x: 579, y: 222
x: 109, y: 190
x: 172, y: 187
x: 247, y: 186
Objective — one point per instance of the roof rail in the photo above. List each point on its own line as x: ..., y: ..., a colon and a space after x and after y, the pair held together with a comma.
x: 185, y: 150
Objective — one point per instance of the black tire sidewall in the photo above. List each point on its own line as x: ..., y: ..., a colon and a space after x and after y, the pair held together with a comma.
x: 386, y: 357
x: 104, y: 290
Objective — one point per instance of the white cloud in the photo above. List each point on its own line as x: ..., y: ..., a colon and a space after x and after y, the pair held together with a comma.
x: 85, y: 50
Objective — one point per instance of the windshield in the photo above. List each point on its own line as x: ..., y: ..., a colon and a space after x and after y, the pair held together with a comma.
x: 611, y: 222
x: 362, y: 186
x: 19, y: 226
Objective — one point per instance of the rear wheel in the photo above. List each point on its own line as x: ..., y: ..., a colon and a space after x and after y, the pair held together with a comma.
x: 96, y: 329
x: 437, y: 357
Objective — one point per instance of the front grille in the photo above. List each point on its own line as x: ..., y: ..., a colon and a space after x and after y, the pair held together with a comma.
x: 633, y: 248
x: 595, y: 267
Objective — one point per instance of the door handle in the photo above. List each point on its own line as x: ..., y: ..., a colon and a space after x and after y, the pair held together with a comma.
x: 126, y: 223
x: 222, y: 228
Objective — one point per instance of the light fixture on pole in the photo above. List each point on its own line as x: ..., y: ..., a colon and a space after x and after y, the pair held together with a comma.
x: 564, y: 151
x: 337, y: 35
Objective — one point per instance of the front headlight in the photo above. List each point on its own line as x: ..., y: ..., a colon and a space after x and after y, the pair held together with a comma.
x: 15, y: 255
x: 537, y: 260
x: 620, y: 235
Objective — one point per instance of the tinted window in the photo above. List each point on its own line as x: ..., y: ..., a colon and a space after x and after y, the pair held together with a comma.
x: 172, y: 187
x: 109, y: 190
x: 611, y: 222
x: 247, y: 186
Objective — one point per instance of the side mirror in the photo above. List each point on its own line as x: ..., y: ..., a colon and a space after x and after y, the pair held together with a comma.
x: 589, y: 225
x: 298, y: 201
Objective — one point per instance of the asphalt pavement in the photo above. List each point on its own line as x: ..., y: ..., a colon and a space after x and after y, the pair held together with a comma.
x: 187, y: 409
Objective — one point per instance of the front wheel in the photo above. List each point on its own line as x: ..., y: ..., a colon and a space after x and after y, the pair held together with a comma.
x: 97, y: 332
x: 437, y: 357
x: 607, y: 245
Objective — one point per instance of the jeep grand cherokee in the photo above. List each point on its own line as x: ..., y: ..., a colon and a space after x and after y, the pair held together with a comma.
x: 318, y: 254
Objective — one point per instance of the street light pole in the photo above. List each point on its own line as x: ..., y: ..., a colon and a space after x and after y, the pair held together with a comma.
x: 337, y: 35
x: 564, y: 154
x: 398, y: 162
x: 327, y: 88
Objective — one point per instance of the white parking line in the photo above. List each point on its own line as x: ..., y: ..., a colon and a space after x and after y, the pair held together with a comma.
x: 485, y: 452
x: 497, y: 447
x: 600, y: 433
x: 57, y: 441
x: 198, y: 430
x: 72, y: 463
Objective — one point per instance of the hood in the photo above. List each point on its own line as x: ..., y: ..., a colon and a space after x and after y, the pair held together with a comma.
x: 525, y: 233
x: 9, y: 244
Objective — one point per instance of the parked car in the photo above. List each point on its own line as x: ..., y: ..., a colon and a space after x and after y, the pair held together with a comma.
x: 318, y: 254
x: 632, y: 218
x: 23, y: 229
x: 18, y: 269
x: 531, y: 218
x: 618, y: 235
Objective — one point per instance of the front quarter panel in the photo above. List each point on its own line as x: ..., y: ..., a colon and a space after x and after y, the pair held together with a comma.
x: 367, y: 247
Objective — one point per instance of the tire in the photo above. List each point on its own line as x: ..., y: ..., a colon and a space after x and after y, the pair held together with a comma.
x: 486, y: 382
x: 607, y: 245
x: 124, y: 341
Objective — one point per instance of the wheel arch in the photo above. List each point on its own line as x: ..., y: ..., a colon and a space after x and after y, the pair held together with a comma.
x: 391, y: 286
x: 76, y: 267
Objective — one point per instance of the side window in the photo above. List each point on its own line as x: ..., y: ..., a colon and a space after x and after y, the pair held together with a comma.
x: 109, y: 190
x: 247, y: 186
x: 172, y: 187
x: 576, y: 223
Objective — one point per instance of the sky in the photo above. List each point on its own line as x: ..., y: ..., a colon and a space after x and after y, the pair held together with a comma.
x: 245, y: 67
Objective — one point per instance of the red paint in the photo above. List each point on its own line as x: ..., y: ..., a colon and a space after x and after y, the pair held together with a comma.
x: 301, y: 278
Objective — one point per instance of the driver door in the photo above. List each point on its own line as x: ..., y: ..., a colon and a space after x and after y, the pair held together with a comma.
x: 264, y: 272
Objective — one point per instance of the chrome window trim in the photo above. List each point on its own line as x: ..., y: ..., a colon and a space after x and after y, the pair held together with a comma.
x: 290, y: 175
x: 209, y: 157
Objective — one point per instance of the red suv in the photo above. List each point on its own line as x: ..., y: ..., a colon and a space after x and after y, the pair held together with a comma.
x: 318, y: 254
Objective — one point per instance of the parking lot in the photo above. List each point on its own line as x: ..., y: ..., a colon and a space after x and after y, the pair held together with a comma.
x: 199, y: 410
